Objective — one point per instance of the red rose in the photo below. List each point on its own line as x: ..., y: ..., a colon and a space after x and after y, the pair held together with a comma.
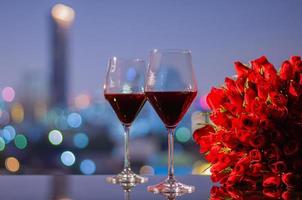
x: 278, y: 167
x: 291, y: 180
x: 277, y: 98
x: 249, y: 96
x: 208, y: 129
x: 255, y: 155
x: 294, y: 89
x: 257, y: 141
x: 271, y: 181
x: 286, y: 71
x: 241, y: 69
x: 257, y: 168
x: 294, y: 59
x: 259, y: 64
x: 230, y: 84
x: 221, y: 119
x: 240, y: 84
x: 232, y: 180
x: 242, y: 165
x: 272, y: 193
x: 216, y: 98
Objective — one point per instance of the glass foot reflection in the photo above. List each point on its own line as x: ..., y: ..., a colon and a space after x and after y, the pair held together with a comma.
x: 171, y: 187
x: 126, y: 176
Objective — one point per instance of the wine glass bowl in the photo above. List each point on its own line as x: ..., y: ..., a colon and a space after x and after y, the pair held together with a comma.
x: 170, y: 88
x: 124, y: 90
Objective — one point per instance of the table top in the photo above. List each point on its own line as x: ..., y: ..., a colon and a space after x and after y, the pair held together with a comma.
x: 78, y: 187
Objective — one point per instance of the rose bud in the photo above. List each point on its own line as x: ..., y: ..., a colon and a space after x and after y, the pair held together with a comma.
x: 286, y: 71
x: 241, y: 69
x: 294, y: 59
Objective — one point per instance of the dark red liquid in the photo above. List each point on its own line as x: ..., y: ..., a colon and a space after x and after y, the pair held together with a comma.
x: 171, y: 106
x: 126, y: 106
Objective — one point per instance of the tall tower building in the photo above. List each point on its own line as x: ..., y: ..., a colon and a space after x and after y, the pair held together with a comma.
x: 62, y: 17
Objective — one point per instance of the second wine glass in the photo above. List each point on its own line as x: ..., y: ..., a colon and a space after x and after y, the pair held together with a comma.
x: 124, y: 90
x: 171, y: 88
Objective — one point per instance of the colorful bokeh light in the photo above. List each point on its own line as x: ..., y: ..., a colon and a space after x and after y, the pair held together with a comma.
x: 12, y: 164
x: 2, y: 144
x: 183, y: 134
x: 80, y: 140
x: 55, y: 137
x: 74, y: 120
x: 87, y: 167
x: 8, y: 94
x: 20, y: 141
x: 67, y: 158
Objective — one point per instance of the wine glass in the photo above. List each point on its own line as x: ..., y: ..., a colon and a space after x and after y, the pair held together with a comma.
x: 170, y: 88
x: 124, y: 90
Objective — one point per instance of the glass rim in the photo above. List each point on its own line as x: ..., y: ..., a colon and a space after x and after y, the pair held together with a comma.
x: 127, y: 59
x: 184, y: 51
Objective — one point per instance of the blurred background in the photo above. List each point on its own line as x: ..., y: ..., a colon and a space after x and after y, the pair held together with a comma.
x: 53, y: 56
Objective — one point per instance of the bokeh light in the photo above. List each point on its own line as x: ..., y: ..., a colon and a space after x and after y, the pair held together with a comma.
x: 4, y: 118
x: 183, y: 134
x: 63, y: 14
x: 67, y: 158
x: 55, y: 137
x: 80, y: 140
x: 17, y: 113
x: 146, y: 170
x: 20, y: 141
x: 201, y: 168
x: 82, y: 101
x: 74, y: 120
x: 2, y: 144
x: 203, y: 103
x: 8, y: 133
x: 12, y: 164
x: 8, y: 94
x: 87, y: 167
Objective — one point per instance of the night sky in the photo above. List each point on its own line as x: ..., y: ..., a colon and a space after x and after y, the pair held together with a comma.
x: 217, y: 32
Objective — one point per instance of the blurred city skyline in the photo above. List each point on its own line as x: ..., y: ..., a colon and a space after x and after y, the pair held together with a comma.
x: 218, y: 33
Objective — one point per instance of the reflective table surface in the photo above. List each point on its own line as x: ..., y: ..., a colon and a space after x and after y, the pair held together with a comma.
x: 75, y: 187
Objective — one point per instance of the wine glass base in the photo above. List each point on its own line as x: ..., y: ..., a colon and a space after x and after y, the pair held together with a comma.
x: 126, y: 177
x: 171, y: 188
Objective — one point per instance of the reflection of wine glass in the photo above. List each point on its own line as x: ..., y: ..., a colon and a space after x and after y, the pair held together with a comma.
x: 124, y: 89
x: 127, y: 190
x: 170, y: 88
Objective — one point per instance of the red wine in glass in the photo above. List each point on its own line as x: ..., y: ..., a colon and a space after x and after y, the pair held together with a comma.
x: 124, y: 90
x: 171, y: 106
x: 170, y: 87
x: 126, y: 106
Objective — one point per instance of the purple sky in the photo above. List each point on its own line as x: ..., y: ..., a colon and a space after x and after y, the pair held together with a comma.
x: 217, y: 32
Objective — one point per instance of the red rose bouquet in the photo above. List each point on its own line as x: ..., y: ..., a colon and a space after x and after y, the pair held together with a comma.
x: 256, y: 136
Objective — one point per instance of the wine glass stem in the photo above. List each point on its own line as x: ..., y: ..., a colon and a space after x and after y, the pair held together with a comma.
x: 126, y: 150
x: 170, y: 153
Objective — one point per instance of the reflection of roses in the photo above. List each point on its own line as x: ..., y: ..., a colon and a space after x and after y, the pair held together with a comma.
x: 228, y: 193
x: 257, y: 120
